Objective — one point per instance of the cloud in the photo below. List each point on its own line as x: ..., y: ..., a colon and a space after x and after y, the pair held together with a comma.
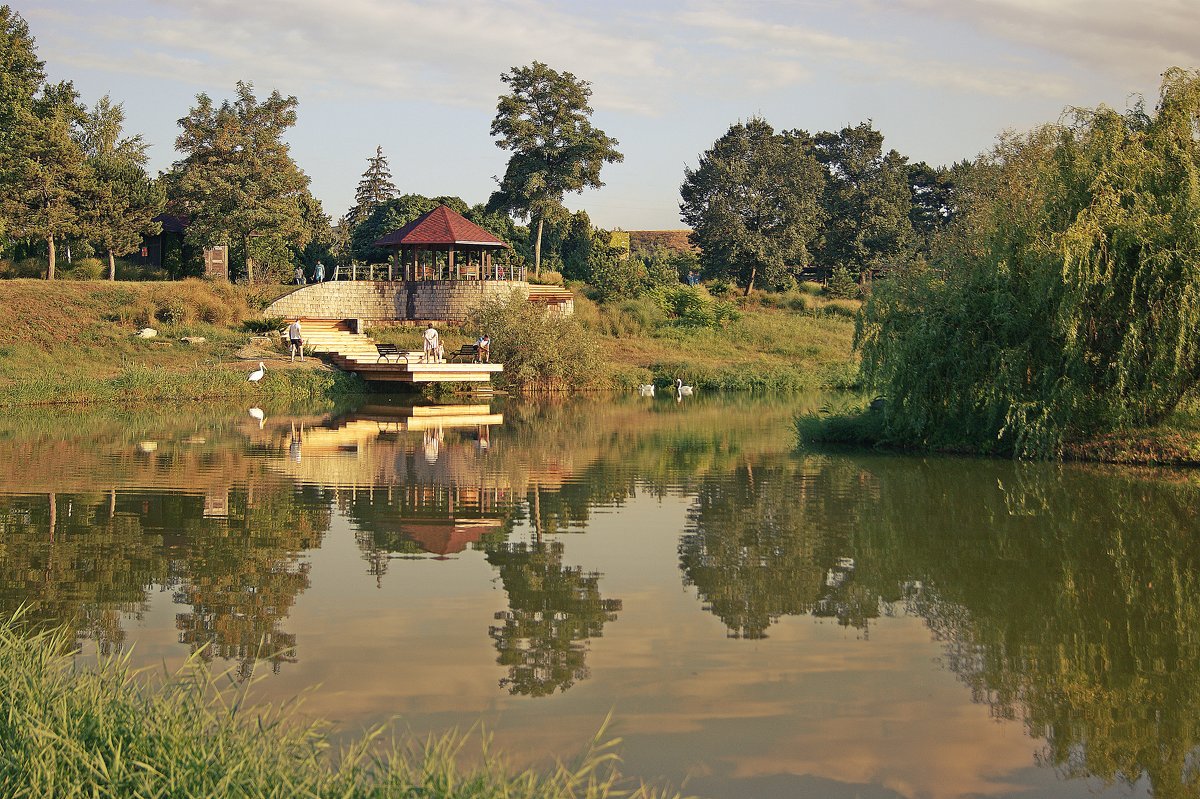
x: 788, y: 49
x: 1115, y: 37
x: 449, y: 52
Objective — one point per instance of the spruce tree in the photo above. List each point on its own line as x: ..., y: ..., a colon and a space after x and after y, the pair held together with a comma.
x: 374, y: 189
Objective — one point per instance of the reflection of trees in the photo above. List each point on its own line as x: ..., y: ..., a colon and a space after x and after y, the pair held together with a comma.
x: 553, y: 611
x: 1067, y: 598
x: 764, y: 542
x: 242, y: 577
x: 77, y: 560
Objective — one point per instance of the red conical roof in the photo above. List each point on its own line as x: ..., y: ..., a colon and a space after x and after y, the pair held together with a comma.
x: 441, y: 226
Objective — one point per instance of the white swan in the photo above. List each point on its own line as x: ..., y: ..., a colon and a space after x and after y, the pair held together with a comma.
x: 683, y: 391
x: 258, y: 373
x: 646, y: 389
x: 258, y: 415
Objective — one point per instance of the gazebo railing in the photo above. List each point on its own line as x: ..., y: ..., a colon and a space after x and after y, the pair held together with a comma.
x: 426, y: 272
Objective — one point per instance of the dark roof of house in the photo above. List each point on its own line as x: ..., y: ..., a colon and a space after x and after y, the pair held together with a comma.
x: 172, y: 223
x: 440, y: 227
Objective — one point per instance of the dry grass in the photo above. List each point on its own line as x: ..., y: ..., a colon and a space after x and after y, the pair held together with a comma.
x: 73, y: 341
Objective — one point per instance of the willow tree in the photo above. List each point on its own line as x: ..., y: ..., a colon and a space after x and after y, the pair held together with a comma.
x: 237, y: 179
x: 1068, y: 300
x: 546, y: 123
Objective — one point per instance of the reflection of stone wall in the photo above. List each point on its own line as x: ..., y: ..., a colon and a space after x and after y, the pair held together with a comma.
x: 443, y: 300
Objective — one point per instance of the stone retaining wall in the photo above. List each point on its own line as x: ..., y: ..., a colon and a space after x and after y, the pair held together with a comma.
x: 381, y: 300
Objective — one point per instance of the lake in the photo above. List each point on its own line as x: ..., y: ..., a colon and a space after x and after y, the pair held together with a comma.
x: 761, y: 620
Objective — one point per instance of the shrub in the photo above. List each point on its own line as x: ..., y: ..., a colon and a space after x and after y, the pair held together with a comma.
x: 842, y: 285
x: 540, y: 350
x: 85, y: 269
x: 264, y: 325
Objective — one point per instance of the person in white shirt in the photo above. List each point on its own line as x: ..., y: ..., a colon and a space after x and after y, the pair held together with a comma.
x: 295, y: 340
x: 433, y: 344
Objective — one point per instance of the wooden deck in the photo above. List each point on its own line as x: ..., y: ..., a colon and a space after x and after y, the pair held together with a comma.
x: 357, y: 353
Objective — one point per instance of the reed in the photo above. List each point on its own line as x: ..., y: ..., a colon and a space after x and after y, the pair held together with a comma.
x: 111, y: 731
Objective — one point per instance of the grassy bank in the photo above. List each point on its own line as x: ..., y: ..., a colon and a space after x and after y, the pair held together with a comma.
x: 786, y: 341
x: 108, y: 732
x: 75, y: 342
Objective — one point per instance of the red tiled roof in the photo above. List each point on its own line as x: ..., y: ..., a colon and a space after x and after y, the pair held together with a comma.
x: 441, y: 226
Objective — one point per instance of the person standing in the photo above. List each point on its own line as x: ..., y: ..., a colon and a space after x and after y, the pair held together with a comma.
x: 433, y: 344
x: 483, y: 349
x: 319, y: 273
x: 296, y: 340
x: 299, y: 275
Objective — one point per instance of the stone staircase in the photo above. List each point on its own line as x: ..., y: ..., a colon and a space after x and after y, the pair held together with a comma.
x: 336, y: 339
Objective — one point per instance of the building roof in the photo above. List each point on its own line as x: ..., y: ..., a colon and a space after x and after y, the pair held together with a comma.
x: 440, y: 227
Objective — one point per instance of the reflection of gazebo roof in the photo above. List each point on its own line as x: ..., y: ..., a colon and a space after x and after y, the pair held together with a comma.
x: 441, y: 227
x: 449, y: 537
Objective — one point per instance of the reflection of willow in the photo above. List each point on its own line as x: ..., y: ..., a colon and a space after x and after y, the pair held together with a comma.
x: 242, y: 578
x: 76, y: 559
x: 764, y: 542
x: 553, y: 611
x: 1069, y: 599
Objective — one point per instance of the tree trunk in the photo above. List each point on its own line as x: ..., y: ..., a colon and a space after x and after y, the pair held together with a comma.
x: 750, y: 282
x: 112, y: 266
x: 50, y: 271
x: 249, y: 260
x: 537, y: 250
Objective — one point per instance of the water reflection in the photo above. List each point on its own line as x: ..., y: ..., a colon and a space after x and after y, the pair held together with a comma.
x: 1065, y: 600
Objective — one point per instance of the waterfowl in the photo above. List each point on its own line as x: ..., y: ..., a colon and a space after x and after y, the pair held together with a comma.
x: 258, y: 373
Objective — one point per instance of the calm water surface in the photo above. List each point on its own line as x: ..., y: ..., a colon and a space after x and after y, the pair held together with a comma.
x: 762, y: 621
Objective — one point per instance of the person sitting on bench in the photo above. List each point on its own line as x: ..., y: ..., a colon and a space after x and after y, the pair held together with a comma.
x: 483, y: 349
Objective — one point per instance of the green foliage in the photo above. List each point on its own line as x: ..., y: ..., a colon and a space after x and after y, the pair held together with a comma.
x: 842, y: 284
x: 546, y: 123
x: 867, y: 200
x: 693, y: 306
x: 121, y: 199
x: 237, y: 180
x: 541, y: 351
x: 612, y: 273
x: 375, y: 188
x: 753, y: 203
x: 1066, y: 300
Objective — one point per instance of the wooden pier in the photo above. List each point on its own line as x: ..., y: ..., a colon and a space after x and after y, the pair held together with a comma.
x: 336, y: 341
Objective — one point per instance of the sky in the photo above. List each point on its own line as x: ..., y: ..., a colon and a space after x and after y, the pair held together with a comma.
x: 941, y: 79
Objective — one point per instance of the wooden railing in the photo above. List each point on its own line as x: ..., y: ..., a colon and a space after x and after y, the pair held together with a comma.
x: 459, y: 272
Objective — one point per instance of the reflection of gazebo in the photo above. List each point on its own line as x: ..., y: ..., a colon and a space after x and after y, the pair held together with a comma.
x: 443, y: 245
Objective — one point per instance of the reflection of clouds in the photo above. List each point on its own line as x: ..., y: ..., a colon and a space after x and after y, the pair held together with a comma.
x: 813, y: 702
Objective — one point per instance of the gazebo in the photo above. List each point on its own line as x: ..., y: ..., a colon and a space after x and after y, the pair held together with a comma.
x: 443, y: 245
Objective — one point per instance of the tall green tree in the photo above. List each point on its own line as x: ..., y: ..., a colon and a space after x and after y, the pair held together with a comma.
x: 374, y: 189
x: 45, y: 175
x: 21, y: 74
x: 237, y: 180
x: 546, y: 123
x: 867, y: 200
x: 753, y: 203
x: 122, y: 200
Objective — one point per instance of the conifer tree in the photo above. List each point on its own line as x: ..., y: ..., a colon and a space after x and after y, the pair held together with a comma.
x: 375, y: 188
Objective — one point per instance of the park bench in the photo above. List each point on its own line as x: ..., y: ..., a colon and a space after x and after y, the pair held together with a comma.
x: 465, y: 352
x: 390, y: 353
